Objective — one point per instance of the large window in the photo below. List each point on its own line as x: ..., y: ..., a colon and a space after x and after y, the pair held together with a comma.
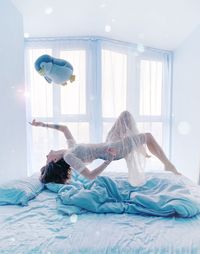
x: 110, y: 78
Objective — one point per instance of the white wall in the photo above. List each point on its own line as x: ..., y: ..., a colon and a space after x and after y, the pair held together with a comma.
x: 12, y: 104
x: 186, y: 106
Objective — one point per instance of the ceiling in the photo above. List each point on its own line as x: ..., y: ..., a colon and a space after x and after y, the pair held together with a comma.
x: 163, y: 24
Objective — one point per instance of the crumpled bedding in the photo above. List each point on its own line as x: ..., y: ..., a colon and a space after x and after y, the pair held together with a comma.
x: 162, y: 195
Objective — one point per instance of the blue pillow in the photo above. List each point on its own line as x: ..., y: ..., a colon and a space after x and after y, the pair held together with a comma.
x: 56, y: 187
x: 19, y: 192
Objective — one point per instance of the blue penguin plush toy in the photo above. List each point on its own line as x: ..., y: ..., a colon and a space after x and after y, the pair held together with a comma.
x: 54, y: 70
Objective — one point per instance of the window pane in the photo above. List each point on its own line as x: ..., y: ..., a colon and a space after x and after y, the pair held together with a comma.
x: 114, y: 83
x: 151, y: 78
x: 73, y: 99
x: 40, y: 90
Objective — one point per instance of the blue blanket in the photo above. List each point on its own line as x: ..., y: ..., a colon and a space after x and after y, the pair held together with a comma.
x: 165, y: 196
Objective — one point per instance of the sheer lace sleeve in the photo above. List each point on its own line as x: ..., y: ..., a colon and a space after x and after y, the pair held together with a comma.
x: 74, y: 162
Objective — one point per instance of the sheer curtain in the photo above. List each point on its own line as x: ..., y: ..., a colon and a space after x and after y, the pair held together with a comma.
x: 111, y: 76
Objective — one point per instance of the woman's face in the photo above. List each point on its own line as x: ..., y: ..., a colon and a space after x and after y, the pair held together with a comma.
x: 51, y: 156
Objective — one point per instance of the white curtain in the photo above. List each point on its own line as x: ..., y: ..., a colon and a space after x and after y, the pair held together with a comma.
x: 111, y: 76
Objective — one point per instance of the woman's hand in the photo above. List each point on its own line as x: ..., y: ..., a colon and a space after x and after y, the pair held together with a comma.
x: 112, y: 153
x: 36, y: 123
x: 54, y: 156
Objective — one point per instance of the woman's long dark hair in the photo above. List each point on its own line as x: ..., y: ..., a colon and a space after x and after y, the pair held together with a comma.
x: 56, y: 172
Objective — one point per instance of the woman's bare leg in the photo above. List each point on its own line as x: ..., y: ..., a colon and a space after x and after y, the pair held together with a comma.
x: 156, y: 150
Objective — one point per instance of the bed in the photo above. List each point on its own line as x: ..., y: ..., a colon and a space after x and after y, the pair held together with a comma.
x: 41, y: 228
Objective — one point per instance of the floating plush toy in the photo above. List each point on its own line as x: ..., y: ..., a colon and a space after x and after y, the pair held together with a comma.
x: 54, y: 70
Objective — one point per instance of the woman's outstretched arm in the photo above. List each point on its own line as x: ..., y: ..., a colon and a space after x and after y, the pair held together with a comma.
x: 63, y: 128
x: 91, y: 174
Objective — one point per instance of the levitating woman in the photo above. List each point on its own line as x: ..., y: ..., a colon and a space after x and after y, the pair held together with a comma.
x: 123, y: 141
